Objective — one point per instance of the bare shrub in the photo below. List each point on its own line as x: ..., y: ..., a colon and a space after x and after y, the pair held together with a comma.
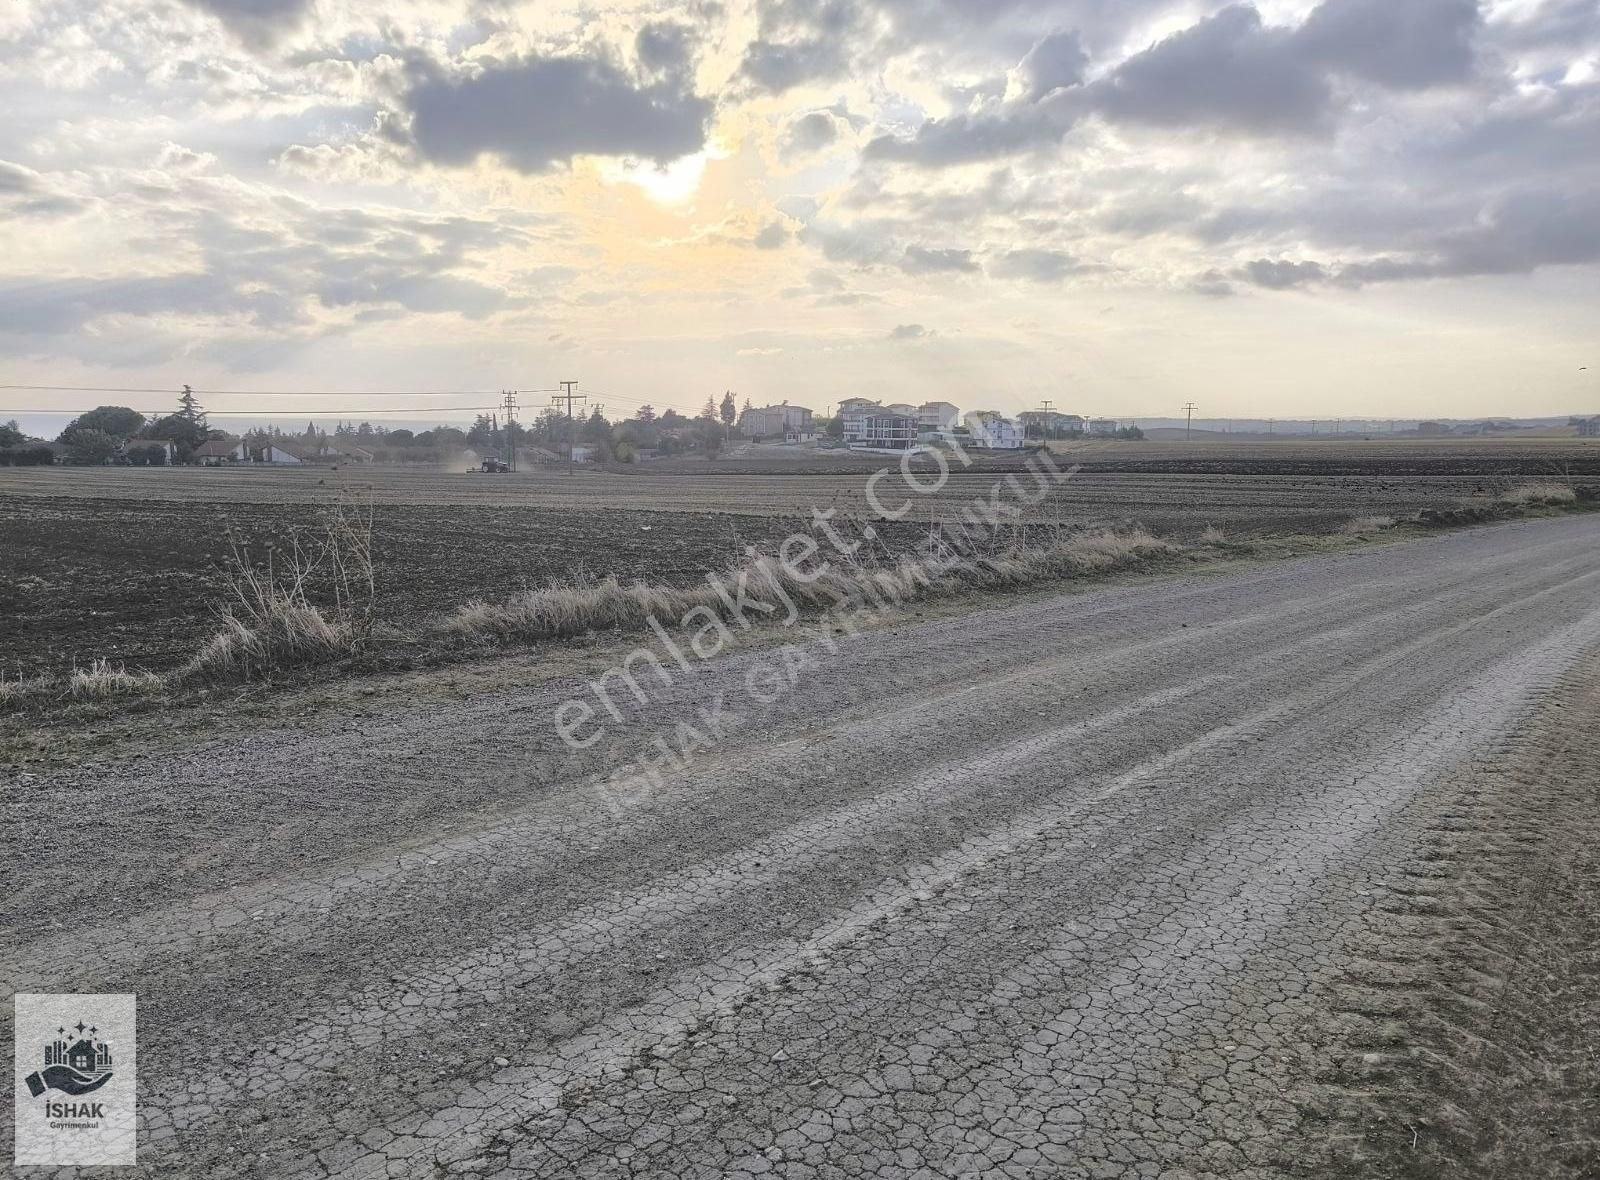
x: 1213, y: 536
x: 1539, y: 495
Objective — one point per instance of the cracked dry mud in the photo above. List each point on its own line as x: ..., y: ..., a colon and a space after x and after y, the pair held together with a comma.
x: 1287, y: 872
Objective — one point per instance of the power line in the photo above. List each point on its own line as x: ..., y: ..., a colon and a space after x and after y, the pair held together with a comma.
x: 569, y: 397
x: 247, y: 413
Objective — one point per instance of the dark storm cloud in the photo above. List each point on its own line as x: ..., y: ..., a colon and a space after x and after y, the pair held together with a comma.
x: 540, y: 112
x: 909, y: 332
x: 258, y: 23
x: 919, y: 260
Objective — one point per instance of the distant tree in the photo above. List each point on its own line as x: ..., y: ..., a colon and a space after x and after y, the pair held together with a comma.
x: 709, y: 411
x: 647, y: 413
x: 178, y: 430
x: 484, y: 434
x: 833, y: 427
x: 364, y: 431
x: 117, y: 421
x: 448, y: 438
x: 11, y: 434
x: 710, y: 434
x: 27, y: 455
x: 1132, y: 432
x: 728, y: 410
x: 91, y: 446
x: 672, y: 418
x: 147, y: 454
x: 399, y: 438
x: 189, y: 408
x: 595, y: 428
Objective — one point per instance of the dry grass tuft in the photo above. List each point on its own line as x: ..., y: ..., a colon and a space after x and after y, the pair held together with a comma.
x: 1213, y: 536
x: 567, y: 609
x: 1363, y: 525
x: 271, y: 623
x: 1539, y: 495
x: 100, y: 680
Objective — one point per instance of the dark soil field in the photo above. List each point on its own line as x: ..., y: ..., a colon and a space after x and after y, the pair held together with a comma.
x: 126, y: 563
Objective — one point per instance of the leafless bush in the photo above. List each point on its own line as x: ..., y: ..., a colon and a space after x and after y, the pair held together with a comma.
x: 1212, y: 535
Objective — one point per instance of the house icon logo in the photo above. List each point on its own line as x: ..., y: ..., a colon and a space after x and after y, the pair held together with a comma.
x: 76, y: 1062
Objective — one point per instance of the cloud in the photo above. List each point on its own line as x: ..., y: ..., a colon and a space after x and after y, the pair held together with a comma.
x: 1057, y: 61
x: 810, y: 133
x: 771, y: 236
x: 540, y: 112
x: 1281, y: 275
x: 918, y: 260
x: 1229, y: 70
x: 257, y: 23
x: 1406, y: 46
x: 909, y: 332
x: 1040, y: 266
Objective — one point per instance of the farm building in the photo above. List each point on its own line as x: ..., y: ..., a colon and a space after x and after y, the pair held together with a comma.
x: 1102, y: 426
x: 1588, y: 427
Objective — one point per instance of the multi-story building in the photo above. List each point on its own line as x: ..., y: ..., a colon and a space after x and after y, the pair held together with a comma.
x: 873, y: 427
x: 994, y: 432
x: 937, y: 417
x: 1102, y: 426
x: 781, y: 421
x: 1053, y: 424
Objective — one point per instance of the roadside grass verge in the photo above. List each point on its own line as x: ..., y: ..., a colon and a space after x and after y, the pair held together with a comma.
x: 314, y: 607
x: 563, y: 610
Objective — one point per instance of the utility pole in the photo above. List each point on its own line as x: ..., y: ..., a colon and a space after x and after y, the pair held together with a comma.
x: 1188, y: 418
x: 510, y: 405
x: 566, y: 395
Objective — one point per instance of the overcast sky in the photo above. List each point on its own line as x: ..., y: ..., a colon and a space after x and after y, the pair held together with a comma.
x: 1359, y: 207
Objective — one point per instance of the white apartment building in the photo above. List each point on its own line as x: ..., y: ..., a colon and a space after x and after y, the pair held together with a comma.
x: 994, y: 432
x: 937, y: 417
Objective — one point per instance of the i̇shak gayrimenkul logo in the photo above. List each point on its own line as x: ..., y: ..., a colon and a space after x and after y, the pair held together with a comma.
x: 75, y: 1096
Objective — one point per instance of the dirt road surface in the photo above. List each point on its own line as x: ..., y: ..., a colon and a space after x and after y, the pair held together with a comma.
x: 1284, y: 872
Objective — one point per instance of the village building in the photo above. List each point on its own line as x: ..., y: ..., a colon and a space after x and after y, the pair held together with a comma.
x: 994, y: 432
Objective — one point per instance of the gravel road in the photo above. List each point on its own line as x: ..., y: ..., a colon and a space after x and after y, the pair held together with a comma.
x: 1066, y: 887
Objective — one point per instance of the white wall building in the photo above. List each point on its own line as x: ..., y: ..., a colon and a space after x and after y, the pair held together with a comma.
x: 937, y: 417
x: 868, y: 426
x: 993, y: 432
